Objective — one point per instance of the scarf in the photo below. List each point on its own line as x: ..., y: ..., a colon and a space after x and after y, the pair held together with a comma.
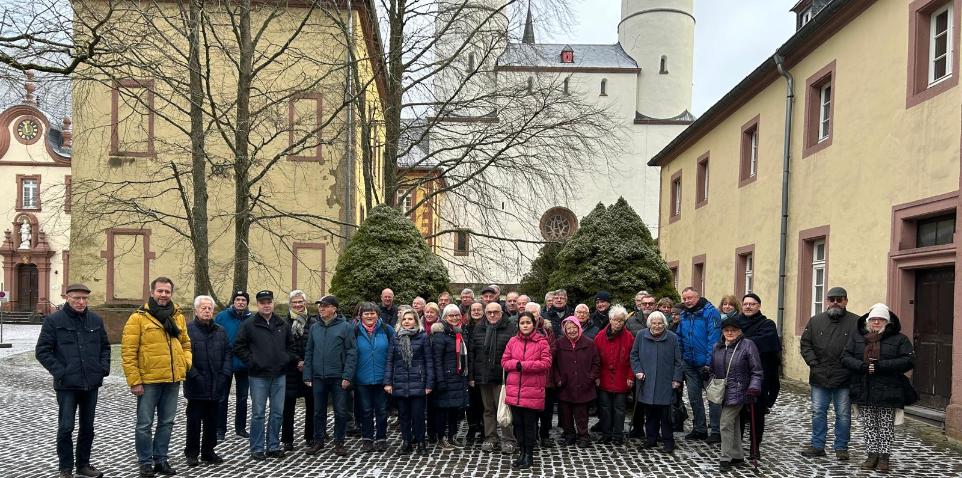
x: 165, y: 315
x: 873, y: 346
x: 404, y: 340
x: 298, y: 322
x: 612, y: 334
x: 460, y: 351
x: 490, y: 340
x: 369, y: 329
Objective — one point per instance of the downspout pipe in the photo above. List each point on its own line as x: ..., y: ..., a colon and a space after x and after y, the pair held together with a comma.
x: 786, y: 170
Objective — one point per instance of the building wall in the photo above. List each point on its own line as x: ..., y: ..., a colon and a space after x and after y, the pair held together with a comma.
x: 882, y: 154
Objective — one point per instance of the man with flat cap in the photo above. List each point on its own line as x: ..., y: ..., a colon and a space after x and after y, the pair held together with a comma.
x: 73, y: 347
x: 265, y: 345
x: 822, y: 343
x: 329, y: 363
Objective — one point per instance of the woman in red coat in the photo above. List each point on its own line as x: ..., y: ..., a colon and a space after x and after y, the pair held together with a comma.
x: 576, y: 368
x: 614, y: 344
x: 526, y: 362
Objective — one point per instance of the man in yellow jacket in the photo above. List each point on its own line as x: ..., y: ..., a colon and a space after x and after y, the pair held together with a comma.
x: 155, y: 350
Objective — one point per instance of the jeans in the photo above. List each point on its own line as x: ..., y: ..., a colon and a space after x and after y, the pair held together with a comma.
x: 410, y: 411
x: 240, y: 408
x: 322, y: 389
x: 290, y: 409
x: 373, y: 404
x: 838, y: 397
x: 201, y: 436
x: 262, y: 390
x: 162, y: 399
x: 611, y: 414
x: 69, y: 402
x: 695, y: 388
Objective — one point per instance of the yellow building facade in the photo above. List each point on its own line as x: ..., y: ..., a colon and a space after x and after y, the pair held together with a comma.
x: 314, y: 147
x: 872, y: 177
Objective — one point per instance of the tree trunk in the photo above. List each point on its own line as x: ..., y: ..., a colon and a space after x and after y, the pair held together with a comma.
x: 394, y: 97
x: 242, y: 211
x: 199, y: 238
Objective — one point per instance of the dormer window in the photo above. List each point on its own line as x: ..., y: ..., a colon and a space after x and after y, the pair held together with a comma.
x: 567, y: 55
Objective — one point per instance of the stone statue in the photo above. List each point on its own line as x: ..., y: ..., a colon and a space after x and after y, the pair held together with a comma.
x: 25, y: 235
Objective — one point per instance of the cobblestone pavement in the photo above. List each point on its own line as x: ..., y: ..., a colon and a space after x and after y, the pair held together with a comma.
x: 28, y: 420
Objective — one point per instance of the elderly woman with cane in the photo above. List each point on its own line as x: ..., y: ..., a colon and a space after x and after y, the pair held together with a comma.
x: 737, y: 374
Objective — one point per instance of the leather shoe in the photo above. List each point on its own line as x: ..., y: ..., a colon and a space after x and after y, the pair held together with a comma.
x: 147, y: 471
x: 214, y: 459
x: 88, y: 471
x: 276, y: 454
x: 315, y: 448
x: 243, y: 434
x: 192, y: 461
x: 259, y: 456
x: 164, y: 468
x: 66, y: 474
x: 713, y: 438
x: 340, y: 449
x: 288, y: 447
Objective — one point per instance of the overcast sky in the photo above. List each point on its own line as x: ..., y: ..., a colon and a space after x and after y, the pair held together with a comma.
x: 732, y: 37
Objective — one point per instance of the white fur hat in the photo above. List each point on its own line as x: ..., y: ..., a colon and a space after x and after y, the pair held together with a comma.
x: 881, y: 311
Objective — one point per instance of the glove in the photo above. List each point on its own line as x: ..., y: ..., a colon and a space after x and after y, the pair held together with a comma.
x: 753, y: 392
x: 519, y: 365
x: 704, y: 373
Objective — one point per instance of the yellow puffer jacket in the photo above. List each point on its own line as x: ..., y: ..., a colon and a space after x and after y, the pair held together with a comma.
x: 149, y: 355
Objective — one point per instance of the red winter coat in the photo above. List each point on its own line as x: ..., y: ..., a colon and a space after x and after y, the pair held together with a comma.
x: 615, y: 362
x: 526, y: 388
x: 575, y: 370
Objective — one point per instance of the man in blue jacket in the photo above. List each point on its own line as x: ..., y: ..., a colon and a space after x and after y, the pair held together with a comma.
x: 73, y: 347
x: 699, y: 330
x: 329, y: 364
x: 231, y: 319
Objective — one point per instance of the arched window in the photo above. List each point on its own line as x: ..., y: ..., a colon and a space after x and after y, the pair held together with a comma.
x: 664, y: 65
x: 530, y: 84
x: 604, y: 87
x: 567, y: 89
x: 470, y: 62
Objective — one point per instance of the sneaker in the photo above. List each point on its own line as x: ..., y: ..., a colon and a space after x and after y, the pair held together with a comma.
x: 454, y: 442
x: 259, y: 456
x: 214, y: 459
x: 276, y: 454
x: 146, y: 471
x: 192, y: 461
x: 164, y: 468
x: 724, y: 466
x: 713, y: 438
x: 487, y: 446
x: 380, y: 445
x: 694, y: 435
x: 841, y: 455
x: 88, y: 471
x: 315, y: 447
x: 811, y: 452
x: 367, y: 446
x: 444, y: 444
x: 508, y: 448
x: 340, y: 449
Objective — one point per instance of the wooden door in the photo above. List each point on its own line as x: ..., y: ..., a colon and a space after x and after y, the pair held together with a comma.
x: 28, y: 285
x: 934, y: 302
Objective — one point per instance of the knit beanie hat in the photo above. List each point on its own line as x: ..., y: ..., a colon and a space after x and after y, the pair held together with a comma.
x: 880, y: 310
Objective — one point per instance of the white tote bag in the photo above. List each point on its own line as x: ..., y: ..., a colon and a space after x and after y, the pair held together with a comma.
x: 716, y: 387
x: 504, y: 413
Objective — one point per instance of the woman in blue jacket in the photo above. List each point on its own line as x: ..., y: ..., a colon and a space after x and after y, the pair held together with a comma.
x: 373, y: 341
x: 409, y: 377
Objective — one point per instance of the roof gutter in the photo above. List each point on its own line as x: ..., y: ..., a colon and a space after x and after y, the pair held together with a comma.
x: 786, y: 170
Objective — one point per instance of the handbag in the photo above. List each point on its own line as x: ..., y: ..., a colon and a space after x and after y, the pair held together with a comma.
x: 716, y: 386
x: 504, y: 413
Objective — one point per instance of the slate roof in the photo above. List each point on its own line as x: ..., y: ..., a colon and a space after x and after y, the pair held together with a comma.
x: 548, y: 55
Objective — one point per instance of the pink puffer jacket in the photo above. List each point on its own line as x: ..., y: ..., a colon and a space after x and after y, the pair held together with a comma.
x: 526, y: 388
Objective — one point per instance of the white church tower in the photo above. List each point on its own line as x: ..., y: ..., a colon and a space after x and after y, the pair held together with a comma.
x: 660, y: 36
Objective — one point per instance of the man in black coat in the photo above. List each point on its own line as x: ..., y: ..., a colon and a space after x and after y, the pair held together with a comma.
x: 821, y: 345
x: 387, y: 311
x: 73, y: 347
x: 558, y: 310
x: 764, y: 334
x: 206, y: 382
x: 488, y: 341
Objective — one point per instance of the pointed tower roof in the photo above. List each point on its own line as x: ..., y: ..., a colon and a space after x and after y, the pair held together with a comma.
x: 528, y: 36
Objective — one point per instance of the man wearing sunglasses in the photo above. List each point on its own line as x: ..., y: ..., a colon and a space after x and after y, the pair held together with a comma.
x: 823, y: 340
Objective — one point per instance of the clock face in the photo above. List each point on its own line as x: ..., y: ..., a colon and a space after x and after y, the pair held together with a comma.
x: 28, y: 129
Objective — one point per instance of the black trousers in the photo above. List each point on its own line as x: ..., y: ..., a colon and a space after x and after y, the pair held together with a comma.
x: 446, y: 421
x: 658, y: 419
x: 290, y: 408
x: 410, y: 411
x: 432, y: 425
x: 525, y: 421
x: 611, y: 414
x: 201, y: 427
x: 475, y: 410
x: 547, y: 415
x: 638, y: 420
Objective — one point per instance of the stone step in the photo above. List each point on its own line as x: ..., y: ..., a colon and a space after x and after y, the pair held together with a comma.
x: 22, y: 318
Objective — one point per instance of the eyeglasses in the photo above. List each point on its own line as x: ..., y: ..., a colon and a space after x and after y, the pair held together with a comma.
x: 78, y: 298
x: 836, y: 300
x: 493, y: 312
x: 648, y: 303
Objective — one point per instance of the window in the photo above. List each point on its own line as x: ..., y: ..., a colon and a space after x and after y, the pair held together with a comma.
x: 132, y: 118
x: 749, y: 273
x: 604, y: 87
x: 820, y: 102
x: 462, y: 242
x: 701, y: 182
x: 698, y: 274
x: 673, y: 268
x: 674, y: 213
x: 933, y: 45
x: 309, y: 268
x: 813, y: 262
x: 664, y: 65
x: 404, y: 201
x: 935, y: 231
x: 806, y: 16
x: 940, y: 46
x: 128, y: 257
x: 567, y: 86
x: 28, y: 193
x: 304, y: 114
x: 748, y: 163
x: 471, y: 62
x: 818, y: 276
x: 530, y: 84
x: 567, y: 55
x: 744, y: 270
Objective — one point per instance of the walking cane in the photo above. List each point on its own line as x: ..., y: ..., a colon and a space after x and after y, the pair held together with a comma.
x: 754, y: 435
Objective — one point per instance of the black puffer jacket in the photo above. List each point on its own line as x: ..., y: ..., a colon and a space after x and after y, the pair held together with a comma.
x: 266, y: 348
x: 556, y: 316
x: 73, y: 347
x: 485, y: 350
x: 821, y: 346
x: 451, y: 387
x: 295, y: 378
x: 211, y: 364
x: 763, y: 333
x: 888, y: 386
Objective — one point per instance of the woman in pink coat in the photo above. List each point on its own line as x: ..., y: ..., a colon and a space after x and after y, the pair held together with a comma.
x: 526, y: 362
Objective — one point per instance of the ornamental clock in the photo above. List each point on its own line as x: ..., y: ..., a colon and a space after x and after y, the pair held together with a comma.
x: 28, y: 129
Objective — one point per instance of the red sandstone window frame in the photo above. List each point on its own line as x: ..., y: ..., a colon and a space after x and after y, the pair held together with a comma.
x: 65, y: 266
x: 108, y: 254
x: 918, y: 87
x: 458, y: 235
x: 21, y: 179
x: 67, y: 193
x: 749, y: 147
x: 806, y: 249
x: 742, y: 255
x: 813, y: 140
x: 675, y: 194
x: 673, y: 268
x: 295, y: 248
x: 130, y: 84
x: 702, y: 177
x: 698, y: 275
x: 292, y: 138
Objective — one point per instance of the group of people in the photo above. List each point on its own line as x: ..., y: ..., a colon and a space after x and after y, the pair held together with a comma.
x: 434, y: 364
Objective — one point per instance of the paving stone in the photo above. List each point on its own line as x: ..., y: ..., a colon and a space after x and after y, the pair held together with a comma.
x: 28, y: 418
